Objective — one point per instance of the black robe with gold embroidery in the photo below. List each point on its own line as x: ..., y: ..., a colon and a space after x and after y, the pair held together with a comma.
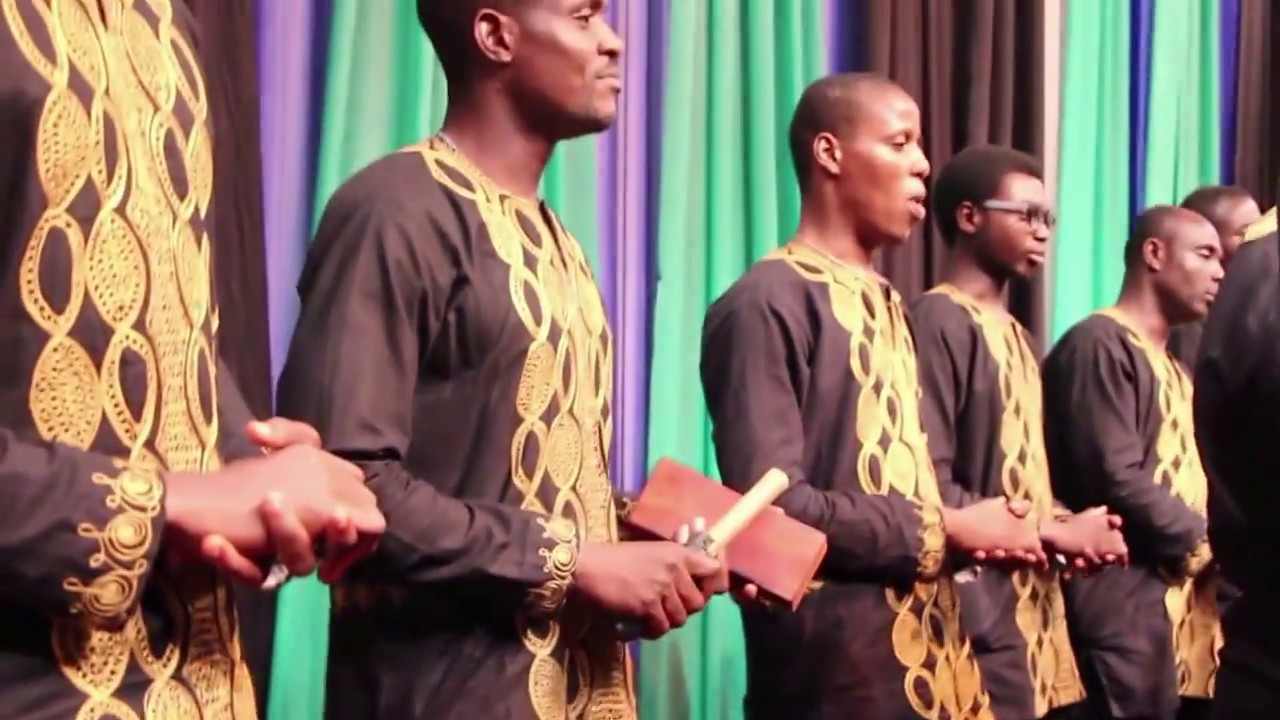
x: 982, y: 412
x: 1119, y: 433
x: 808, y: 366
x: 452, y: 342
x: 1237, y: 413
x: 108, y: 375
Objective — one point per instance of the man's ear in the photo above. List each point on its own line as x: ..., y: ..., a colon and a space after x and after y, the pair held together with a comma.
x: 1154, y: 254
x: 496, y: 35
x: 827, y: 153
x: 968, y: 218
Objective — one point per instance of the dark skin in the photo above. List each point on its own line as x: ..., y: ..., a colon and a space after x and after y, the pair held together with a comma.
x: 542, y: 72
x: 1231, y: 217
x: 995, y: 245
x: 865, y: 191
x: 1176, y: 278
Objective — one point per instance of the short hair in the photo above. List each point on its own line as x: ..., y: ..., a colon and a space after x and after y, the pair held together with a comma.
x: 974, y: 175
x: 1209, y: 200
x: 829, y: 104
x: 448, y: 25
x: 1157, y: 221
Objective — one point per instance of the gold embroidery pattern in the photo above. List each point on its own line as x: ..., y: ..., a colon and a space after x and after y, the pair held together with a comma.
x: 1264, y: 226
x: 1040, y: 611
x: 559, y: 455
x: 1190, y: 601
x: 560, y: 561
x: 942, y: 678
x: 933, y: 542
x: 127, y: 185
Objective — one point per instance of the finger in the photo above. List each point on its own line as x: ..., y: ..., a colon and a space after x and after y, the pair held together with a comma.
x: 682, y: 535
x: 340, y: 538
x: 998, y: 554
x: 980, y: 556
x: 1099, y: 510
x: 777, y: 509
x: 699, y: 525
x: 1115, y: 521
x: 332, y: 568
x: 1019, y: 508
x: 277, y: 433
x: 686, y: 591
x: 655, y: 621
x: 288, y: 536
x: 218, y: 552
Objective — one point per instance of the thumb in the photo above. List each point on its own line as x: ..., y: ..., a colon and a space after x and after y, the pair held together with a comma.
x: 1019, y: 508
x: 1100, y: 510
x: 278, y: 433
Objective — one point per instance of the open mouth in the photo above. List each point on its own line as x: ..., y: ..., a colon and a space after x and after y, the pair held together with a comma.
x: 917, y: 207
x: 1035, y: 258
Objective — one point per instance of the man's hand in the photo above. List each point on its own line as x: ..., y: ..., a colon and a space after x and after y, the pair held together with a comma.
x: 1090, y: 540
x: 995, y: 530
x: 273, y: 505
x: 655, y: 583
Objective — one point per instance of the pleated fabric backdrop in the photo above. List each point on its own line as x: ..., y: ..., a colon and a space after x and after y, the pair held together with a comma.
x: 1127, y: 103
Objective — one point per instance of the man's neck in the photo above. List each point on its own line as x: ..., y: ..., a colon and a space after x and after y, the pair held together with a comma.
x: 1140, y: 305
x: 968, y: 276
x: 489, y: 132
x: 832, y: 234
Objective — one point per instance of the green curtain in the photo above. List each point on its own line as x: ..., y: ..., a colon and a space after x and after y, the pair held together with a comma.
x: 735, y: 69
x: 1183, y: 122
x: 1093, y: 172
x: 383, y: 90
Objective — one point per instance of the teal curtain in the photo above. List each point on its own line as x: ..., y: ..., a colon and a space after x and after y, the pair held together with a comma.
x: 1184, y: 120
x: 735, y: 69
x: 383, y: 90
x: 1093, y: 170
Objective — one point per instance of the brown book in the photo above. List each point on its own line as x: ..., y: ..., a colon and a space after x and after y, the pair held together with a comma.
x: 777, y: 553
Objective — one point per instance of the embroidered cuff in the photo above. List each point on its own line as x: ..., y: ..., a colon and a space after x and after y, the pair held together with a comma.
x: 933, y: 542
x: 559, y: 562
x: 115, y: 572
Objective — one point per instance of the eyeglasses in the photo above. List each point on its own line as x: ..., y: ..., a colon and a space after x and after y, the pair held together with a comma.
x: 1031, y: 214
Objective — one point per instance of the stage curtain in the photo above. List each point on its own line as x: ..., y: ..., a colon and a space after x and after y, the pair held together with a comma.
x: 1093, y: 174
x: 383, y: 90
x: 727, y: 195
x: 1183, y: 144
x: 1257, y: 132
x: 977, y: 69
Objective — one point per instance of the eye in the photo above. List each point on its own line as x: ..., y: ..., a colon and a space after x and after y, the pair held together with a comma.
x: 584, y: 18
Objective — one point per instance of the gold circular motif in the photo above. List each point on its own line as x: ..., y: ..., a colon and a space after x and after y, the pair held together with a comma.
x: 168, y: 698
x: 64, y: 147
x: 536, y: 381
x: 113, y: 591
x: 127, y: 536
x: 564, y: 450
x: 93, y: 659
x: 66, y: 396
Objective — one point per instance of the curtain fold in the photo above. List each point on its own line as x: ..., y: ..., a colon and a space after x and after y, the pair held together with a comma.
x: 735, y: 70
x: 1093, y: 168
x: 1257, y: 135
x: 977, y: 69
x: 225, y: 45
x: 1183, y: 145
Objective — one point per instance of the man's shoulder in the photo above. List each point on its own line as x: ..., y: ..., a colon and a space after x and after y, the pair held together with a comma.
x: 1095, y: 334
x: 400, y: 180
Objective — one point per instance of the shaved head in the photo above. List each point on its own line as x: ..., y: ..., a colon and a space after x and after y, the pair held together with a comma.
x: 833, y: 105
x: 1160, y: 222
x: 449, y: 25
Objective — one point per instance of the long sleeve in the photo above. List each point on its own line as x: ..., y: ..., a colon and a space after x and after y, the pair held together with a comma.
x: 79, y: 532
x: 1092, y: 409
x: 946, y: 354
x: 233, y: 415
x: 374, y: 295
x: 749, y: 355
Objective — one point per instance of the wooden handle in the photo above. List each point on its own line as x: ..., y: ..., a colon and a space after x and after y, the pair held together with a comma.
x: 761, y: 495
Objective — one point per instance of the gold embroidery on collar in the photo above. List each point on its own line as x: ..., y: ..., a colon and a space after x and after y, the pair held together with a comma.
x: 942, y: 675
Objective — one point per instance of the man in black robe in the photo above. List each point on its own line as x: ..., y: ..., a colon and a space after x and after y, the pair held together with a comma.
x: 127, y: 457
x: 1232, y: 210
x: 982, y: 412
x: 808, y: 366
x: 1119, y: 434
x: 1237, y: 412
x: 452, y: 342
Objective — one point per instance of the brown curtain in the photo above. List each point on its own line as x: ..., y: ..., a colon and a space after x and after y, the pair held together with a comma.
x: 228, y: 55
x: 1257, y: 133
x: 975, y: 67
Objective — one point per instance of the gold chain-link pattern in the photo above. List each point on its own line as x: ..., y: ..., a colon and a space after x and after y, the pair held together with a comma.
x: 559, y: 454
x: 1190, y: 601
x: 1040, y: 611
x: 942, y: 678
x: 139, y: 261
